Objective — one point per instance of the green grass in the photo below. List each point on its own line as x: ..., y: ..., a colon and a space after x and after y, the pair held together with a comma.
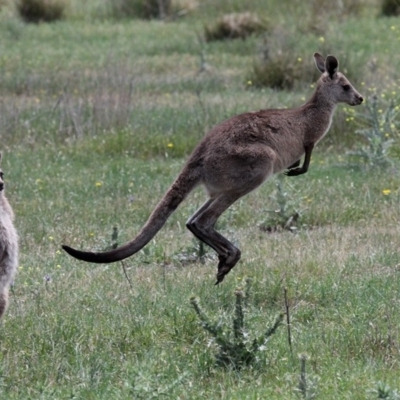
x: 97, y: 117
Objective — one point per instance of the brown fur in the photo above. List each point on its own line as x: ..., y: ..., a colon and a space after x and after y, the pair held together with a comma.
x: 8, y: 247
x: 237, y: 156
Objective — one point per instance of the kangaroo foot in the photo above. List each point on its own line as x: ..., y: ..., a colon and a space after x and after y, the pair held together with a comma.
x: 226, y: 264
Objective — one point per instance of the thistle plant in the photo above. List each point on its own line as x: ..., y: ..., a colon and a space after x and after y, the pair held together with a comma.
x: 379, y: 129
x: 235, y: 347
x: 285, y: 216
x: 384, y: 391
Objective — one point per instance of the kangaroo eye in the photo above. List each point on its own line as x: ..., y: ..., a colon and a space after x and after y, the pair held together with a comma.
x: 346, y: 87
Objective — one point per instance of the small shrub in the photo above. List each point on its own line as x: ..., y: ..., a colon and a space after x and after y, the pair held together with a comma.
x: 235, y: 26
x: 41, y: 10
x: 283, y: 72
x: 278, y: 73
x: 279, y: 67
x: 390, y: 7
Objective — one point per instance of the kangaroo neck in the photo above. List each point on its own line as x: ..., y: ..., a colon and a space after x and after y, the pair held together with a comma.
x: 320, y: 104
x: 319, y: 110
x: 315, y: 117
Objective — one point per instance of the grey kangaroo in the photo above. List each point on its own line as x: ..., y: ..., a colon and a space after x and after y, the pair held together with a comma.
x: 8, y: 247
x: 238, y: 155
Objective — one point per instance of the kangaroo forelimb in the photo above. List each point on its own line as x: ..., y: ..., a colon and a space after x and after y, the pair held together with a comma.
x: 304, y: 168
x: 294, y: 165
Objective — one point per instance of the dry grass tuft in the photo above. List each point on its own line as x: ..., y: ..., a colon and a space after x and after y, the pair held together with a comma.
x: 152, y: 9
x: 4, y: 3
x: 235, y: 26
x: 183, y: 7
x: 322, y: 11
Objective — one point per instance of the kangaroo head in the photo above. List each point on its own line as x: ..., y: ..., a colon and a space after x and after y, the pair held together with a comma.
x: 333, y: 85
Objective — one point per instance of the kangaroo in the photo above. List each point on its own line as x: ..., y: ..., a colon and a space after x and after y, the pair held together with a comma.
x: 238, y: 155
x: 8, y: 246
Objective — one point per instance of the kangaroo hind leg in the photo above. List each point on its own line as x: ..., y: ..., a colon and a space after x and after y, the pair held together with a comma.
x: 201, y: 224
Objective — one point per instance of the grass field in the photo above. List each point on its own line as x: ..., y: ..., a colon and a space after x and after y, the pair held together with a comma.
x: 97, y: 117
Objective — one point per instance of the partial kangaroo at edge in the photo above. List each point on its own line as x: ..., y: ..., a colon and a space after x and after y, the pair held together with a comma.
x: 237, y: 156
x: 8, y: 247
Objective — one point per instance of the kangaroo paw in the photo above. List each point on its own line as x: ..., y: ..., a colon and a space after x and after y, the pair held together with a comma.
x: 294, y: 172
x: 226, y: 264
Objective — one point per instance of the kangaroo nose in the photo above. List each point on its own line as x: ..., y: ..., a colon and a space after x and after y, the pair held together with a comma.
x: 1, y: 186
x: 361, y: 99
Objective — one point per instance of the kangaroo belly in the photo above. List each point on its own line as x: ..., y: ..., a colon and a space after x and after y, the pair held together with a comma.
x: 239, y: 171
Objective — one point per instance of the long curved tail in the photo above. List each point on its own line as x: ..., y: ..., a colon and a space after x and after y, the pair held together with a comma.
x: 182, y: 186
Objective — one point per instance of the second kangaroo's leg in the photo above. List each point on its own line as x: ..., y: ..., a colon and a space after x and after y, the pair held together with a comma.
x: 3, y: 301
x: 201, y: 224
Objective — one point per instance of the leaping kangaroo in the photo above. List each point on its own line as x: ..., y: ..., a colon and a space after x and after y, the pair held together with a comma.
x: 238, y: 155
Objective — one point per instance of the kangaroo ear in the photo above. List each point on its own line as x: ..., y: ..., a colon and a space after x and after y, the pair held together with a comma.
x: 319, y: 62
x: 331, y: 65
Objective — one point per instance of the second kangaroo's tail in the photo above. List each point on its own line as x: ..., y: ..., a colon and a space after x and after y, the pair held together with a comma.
x: 182, y: 186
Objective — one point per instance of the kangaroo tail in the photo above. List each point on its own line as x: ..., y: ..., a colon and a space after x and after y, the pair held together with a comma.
x: 182, y: 186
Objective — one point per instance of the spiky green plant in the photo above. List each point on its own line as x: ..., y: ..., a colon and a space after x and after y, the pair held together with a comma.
x: 384, y: 391
x: 236, y: 348
x: 379, y: 129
